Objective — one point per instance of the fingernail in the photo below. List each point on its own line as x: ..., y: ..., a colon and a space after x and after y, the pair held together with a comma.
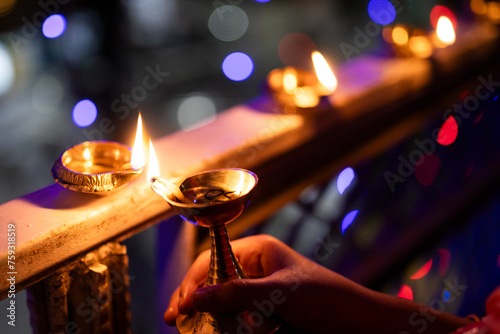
x: 203, y: 296
x: 169, y: 317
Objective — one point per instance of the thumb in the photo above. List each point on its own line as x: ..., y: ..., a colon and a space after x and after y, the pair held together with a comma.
x: 233, y: 296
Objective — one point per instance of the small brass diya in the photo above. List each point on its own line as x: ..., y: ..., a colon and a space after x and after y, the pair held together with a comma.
x: 96, y: 167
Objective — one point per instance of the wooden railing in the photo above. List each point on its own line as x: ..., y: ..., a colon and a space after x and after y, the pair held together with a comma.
x: 60, y: 234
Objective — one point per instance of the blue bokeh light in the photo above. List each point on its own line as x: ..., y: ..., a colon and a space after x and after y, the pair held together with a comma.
x: 446, y: 296
x: 84, y: 113
x: 54, y: 26
x: 344, y: 179
x: 348, y: 219
x: 262, y: 1
x: 237, y: 66
x: 381, y: 11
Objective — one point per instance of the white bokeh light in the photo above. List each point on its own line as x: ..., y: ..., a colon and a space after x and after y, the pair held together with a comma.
x: 7, y: 70
x: 195, y: 111
x: 47, y: 94
x: 228, y: 23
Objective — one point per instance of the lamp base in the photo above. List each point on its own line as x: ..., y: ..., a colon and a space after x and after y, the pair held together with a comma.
x: 246, y: 322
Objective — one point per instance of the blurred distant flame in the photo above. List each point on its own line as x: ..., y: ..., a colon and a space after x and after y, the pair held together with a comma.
x: 400, y: 35
x: 445, y: 31
x: 289, y: 80
x: 324, y: 72
x: 138, y: 159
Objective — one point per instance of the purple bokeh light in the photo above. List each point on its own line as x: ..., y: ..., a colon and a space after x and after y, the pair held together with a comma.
x: 84, y: 113
x: 237, y: 66
x: 54, y: 26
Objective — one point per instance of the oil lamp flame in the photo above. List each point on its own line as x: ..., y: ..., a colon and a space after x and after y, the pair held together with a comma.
x: 138, y: 160
x: 324, y: 72
x: 445, y: 31
x: 153, y: 166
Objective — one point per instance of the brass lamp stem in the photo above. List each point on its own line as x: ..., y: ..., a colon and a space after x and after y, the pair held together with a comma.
x: 224, y: 266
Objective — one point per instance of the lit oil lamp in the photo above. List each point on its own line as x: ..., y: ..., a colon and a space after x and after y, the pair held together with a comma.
x: 212, y: 199
x: 99, y: 167
x: 297, y: 89
x: 458, y: 46
x: 451, y: 46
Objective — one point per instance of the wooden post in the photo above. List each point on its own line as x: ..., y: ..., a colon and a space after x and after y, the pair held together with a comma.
x: 90, y: 295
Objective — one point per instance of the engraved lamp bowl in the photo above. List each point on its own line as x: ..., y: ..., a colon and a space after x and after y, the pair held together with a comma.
x: 214, y: 198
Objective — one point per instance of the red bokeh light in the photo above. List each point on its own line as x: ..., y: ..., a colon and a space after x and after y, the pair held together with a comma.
x: 448, y: 132
x: 438, y: 11
x: 406, y: 292
x: 422, y: 271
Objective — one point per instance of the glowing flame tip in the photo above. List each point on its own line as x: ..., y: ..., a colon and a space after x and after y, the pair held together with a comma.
x: 138, y: 160
x: 324, y: 72
x: 445, y: 31
x: 153, y: 166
